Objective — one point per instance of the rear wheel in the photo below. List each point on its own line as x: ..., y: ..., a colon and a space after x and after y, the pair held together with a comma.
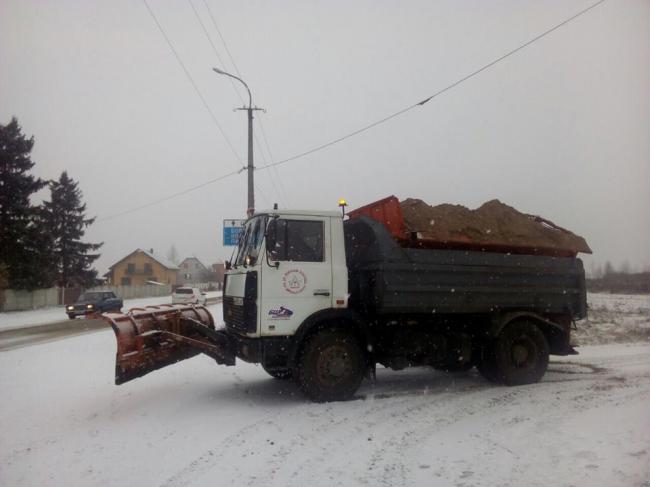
x: 519, y: 355
x: 331, y: 366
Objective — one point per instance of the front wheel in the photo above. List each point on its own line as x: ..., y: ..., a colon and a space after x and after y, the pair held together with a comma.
x: 331, y: 366
x: 519, y: 355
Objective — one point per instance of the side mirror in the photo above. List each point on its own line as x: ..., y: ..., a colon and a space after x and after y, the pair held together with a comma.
x: 271, y: 237
x: 271, y: 234
x: 227, y: 265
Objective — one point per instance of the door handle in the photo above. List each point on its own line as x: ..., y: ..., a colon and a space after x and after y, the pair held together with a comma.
x: 321, y: 293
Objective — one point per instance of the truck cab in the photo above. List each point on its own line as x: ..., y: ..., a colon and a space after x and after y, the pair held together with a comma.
x: 288, y: 266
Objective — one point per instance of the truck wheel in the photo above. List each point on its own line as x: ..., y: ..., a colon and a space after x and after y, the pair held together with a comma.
x: 330, y: 367
x: 282, y: 374
x: 518, y: 356
x: 71, y: 316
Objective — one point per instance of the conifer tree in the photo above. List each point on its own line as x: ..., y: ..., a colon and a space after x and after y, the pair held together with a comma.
x: 22, y: 242
x: 64, y: 216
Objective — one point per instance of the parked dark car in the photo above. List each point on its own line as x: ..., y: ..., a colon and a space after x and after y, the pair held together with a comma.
x: 94, y: 302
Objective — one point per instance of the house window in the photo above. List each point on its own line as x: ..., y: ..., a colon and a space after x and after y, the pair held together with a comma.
x: 126, y: 281
x: 130, y: 268
x: 148, y: 269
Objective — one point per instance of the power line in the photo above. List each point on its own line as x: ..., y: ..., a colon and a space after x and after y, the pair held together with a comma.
x: 214, y: 48
x: 171, y: 196
x: 234, y: 87
x: 275, y: 169
x: 223, y: 41
x: 378, y: 122
x: 191, y: 80
x: 259, y: 120
x: 436, y: 94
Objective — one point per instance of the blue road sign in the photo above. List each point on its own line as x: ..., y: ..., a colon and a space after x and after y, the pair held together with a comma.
x: 232, y: 229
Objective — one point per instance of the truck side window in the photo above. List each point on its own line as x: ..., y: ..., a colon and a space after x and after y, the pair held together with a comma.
x: 299, y: 241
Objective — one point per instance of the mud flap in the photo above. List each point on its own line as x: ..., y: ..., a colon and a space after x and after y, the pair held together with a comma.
x: 157, y: 336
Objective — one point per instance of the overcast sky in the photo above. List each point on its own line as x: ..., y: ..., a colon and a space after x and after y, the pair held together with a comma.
x: 560, y: 129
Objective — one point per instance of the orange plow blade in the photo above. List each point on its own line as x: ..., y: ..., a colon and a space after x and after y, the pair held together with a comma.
x: 156, y: 336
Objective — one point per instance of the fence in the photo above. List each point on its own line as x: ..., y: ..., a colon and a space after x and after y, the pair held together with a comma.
x: 14, y: 300
x: 130, y: 292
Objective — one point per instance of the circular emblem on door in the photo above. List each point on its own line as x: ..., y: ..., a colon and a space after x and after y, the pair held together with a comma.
x: 294, y: 281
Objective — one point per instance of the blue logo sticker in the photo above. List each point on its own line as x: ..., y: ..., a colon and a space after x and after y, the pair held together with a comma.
x: 280, y: 314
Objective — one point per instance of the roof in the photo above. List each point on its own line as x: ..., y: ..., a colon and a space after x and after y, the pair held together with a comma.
x: 192, y: 258
x: 163, y: 262
x: 300, y: 213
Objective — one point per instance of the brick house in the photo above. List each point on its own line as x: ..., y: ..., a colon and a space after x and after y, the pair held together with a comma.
x: 140, y: 267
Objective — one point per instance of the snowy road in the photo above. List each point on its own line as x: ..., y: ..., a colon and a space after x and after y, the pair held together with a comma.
x: 63, y: 422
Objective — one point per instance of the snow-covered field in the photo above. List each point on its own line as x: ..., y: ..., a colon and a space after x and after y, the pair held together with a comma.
x: 615, y: 318
x: 18, y: 319
x: 63, y: 422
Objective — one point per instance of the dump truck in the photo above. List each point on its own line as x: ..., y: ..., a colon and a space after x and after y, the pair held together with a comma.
x: 323, y: 299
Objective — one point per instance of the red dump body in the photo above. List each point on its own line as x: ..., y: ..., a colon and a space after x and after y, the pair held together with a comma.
x: 389, y: 212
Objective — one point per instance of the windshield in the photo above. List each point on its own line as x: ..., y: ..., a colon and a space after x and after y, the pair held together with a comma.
x: 184, y: 290
x: 90, y: 297
x: 251, y: 240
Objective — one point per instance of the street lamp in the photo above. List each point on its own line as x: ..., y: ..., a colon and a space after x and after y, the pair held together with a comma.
x: 250, y: 168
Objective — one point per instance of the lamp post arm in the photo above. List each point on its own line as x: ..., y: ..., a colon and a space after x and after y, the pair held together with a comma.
x: 250, y: 97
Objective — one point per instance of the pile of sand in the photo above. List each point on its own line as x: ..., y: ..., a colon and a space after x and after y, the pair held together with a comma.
x: 492, y: 224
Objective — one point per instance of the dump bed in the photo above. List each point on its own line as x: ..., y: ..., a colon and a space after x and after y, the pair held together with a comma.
x: 493, y: 227
x: 389, y: 278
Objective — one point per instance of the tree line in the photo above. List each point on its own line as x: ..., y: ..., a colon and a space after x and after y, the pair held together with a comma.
x: 41, y: 245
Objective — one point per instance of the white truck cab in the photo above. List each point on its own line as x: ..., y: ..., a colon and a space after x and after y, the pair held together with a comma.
x: 288, y: 266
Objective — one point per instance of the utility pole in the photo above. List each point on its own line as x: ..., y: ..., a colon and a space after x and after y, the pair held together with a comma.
x: 251, y: 166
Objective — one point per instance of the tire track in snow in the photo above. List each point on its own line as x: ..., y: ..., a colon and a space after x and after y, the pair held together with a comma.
x: 272, y: 443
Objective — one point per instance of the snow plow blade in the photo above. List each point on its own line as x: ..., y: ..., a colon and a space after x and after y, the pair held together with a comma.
x: 157, y: 336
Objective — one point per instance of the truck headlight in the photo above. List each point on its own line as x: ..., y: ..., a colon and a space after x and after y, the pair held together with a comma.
x: 89, y: 306
x: 70, y: 308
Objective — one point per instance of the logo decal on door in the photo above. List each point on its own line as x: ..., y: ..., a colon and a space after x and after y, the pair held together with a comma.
x: 294, y: 281
x: 280, y: 314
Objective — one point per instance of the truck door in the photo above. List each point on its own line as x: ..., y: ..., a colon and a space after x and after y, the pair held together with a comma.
x: 298, y: 281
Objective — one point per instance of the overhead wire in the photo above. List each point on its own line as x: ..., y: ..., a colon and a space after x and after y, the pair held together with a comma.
x: 436, y: 94
x: 170, y: 197
x: 192, y: 82
x: 382, y: 120
x: 259, y: 120
x: 232, y: 82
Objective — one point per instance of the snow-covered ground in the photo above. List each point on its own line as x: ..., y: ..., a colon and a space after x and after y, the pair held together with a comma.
x: 615, y: 318
x: 18, y: 319
x: 63, y: 422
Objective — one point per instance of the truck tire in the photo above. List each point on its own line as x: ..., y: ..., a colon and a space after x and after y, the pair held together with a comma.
x: 331, y: 366
x: 281, y: 374
x: 518, y: 356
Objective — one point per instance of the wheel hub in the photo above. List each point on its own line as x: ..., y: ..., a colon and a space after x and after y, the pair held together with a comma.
x: 333, y: 364
x: 520, y: 354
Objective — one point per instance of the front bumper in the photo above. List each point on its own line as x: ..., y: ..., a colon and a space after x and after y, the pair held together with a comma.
x: 82, y: 312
